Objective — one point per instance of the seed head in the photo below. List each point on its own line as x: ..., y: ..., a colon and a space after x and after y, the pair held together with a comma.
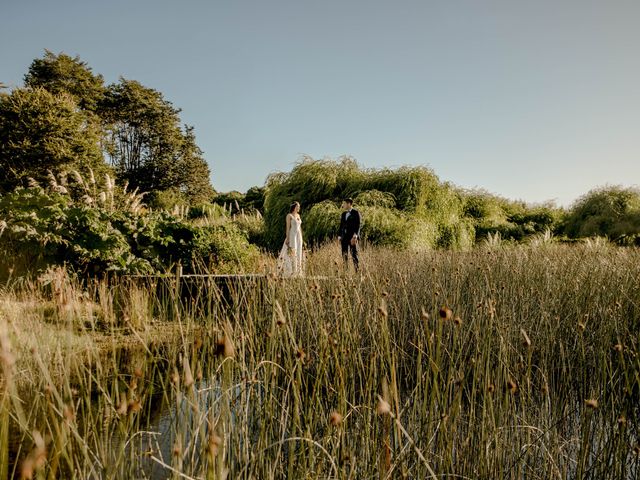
x: 423, y: 313
x: 134, y: 406
x: 591, y: 403
x: 618, y: 347
x: 382, y: 309
x: 68, y: 413
x: 214, y: 444
x: 335, y: 419
x: 300, y: 354
x: 525, y: 338
x: 224, y: 347
x: 383, y: 407
x: 445, y: 313
x: 512, y: 386
x: 457, y: 321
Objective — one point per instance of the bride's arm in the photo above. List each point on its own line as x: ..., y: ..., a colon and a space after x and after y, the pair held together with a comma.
x: 288, y: 228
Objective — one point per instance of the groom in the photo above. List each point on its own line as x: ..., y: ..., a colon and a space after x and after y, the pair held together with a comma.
x: 349, y: 232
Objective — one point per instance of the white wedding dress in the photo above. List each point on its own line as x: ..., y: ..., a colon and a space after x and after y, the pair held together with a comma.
x: 290, y: 260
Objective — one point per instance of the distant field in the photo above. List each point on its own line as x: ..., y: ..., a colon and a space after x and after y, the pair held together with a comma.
x: 499, y: 362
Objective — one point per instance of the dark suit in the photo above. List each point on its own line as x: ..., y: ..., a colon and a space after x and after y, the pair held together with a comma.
x: 349, y: 226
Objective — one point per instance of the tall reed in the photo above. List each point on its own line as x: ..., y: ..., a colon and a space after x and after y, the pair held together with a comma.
x: 495, y: 363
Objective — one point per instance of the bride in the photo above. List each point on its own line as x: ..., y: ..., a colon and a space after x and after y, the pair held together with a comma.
x: 290, y: 259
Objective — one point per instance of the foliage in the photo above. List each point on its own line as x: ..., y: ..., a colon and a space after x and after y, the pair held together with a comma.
x: 41, y: 132
x: 68, y: 118
x: 254, y: 199
x: 396, y: 204
x: 110, y: 232
x: 147, y: 147
x: 611, y: 211
x: 512, y: 220
x: 60, y: 74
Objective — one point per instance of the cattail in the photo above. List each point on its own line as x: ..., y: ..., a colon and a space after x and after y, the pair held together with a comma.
x: 124, y: 406
x: 36, y: 459
x: 457, y: 321
x: 512, y: 386
x: 277, y: 308
x: 591, y: 403
x: 525, y: 338
x: 382, y: 309
x: 383, y: 407
x: 300, y: 354
x: 177, y: 449
x: 445, y: 313
x: 7, y: 358
x: 224, y: 347
x: 188, y: 376
x: 335, y: 419
x: 214, y: 444
x: 175, y: 377
x: 134, y: 406
x: 68, y: 413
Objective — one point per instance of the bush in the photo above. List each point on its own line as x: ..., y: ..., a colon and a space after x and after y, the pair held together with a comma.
x: 613, y: 212
x: 387, y: 198
x: 41, y: 228
x: 491, y: 214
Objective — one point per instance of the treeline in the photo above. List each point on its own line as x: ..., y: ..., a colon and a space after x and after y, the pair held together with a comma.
x: 90, y: 174
x: 66, y: 118
x: 412, y: 208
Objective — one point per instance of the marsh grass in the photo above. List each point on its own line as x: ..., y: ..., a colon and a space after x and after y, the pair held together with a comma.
x: 499, y: 362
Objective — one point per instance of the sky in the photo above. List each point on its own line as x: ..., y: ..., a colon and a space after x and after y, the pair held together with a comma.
x: 535, y: 100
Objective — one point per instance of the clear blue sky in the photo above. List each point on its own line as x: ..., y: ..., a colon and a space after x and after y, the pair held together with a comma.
x: 535, y: 99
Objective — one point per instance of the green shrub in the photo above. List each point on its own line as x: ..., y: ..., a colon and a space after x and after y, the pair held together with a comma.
x: 41, y: 228
x: 613, y: 212
x: 391, y: 195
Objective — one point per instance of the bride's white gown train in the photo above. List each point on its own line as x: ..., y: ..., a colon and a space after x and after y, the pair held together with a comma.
x: 290, y: 260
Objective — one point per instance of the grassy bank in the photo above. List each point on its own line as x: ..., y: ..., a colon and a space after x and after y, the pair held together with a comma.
x: 495, y: 363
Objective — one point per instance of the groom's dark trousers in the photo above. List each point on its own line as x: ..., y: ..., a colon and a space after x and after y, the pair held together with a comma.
x: 346, y: 246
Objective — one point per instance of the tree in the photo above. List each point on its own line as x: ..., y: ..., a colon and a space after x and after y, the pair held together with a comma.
x: 64, y: 74
x: 146, y: 145
x: 611, y: 211
x: 40, y: 131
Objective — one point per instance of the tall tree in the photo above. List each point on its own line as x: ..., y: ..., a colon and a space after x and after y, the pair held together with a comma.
x: 146, y: 144
x: 40, y: 131
x: 62, y: 73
